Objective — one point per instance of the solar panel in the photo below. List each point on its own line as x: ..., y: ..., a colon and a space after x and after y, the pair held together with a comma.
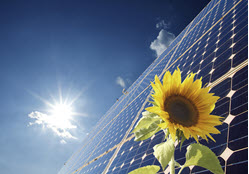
x: 215, y: 46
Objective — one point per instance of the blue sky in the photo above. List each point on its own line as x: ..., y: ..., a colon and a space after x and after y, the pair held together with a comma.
x: 83, y: 51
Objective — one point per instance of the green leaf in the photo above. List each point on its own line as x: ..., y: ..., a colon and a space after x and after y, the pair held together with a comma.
x: 164, y: 151
x: 153, y: 169
x: 144, y: 133
x: 177, y: 164
x: 166, y: 132
x: 145, y: 122
x: 200, y: 155
x: 149, y: 114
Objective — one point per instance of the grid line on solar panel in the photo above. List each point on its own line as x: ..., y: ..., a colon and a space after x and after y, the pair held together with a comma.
x: 125, y: 137
x: 117, y: 126
x: 82, y: 146
x: 202, y: 17
x: 138, y: 108
x: 203, y: 35
x: 101, y: 155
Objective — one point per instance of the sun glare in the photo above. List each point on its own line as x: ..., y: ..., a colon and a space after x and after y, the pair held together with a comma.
x: 62, y: 110
x: 60, y: 116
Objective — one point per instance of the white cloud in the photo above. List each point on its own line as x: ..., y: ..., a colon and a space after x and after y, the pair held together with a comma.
x: 162, y: 41
x: 163, y: 25
x: 60, y: 127
x: 63, y: 142
x: 120, y: 81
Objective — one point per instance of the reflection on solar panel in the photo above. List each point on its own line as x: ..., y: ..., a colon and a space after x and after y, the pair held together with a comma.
x: 213, y: 45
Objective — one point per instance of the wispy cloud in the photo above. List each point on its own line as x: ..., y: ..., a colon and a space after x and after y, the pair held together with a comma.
x: 163, y: 25
x: 60, y: 127
x: 63, y: 142
x: 120, y: 81
x: 162, y: 41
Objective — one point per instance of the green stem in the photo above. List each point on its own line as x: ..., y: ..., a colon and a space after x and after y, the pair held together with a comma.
x: 172, y: 164
x: 165, y: 133
x: 164, y: 130
x: 180, y: 171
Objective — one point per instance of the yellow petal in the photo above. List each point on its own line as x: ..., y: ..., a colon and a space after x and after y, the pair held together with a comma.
x: 186, y: 84
x: 167, y: 81
x: 194, y: 135
x: 186, y: 133
x: 163, y: 125
x: 159, y: 84
x: 172, y: 132
x: 211, y: 137
x: 177, y: 81
x: 159, y: 100
x: 153, y: 109
x: 157, y: 91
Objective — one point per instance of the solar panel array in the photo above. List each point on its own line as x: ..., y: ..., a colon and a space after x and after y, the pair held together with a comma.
x: 215, y: 46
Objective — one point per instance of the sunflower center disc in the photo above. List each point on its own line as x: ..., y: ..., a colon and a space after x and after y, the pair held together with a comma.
x: 181, y: 110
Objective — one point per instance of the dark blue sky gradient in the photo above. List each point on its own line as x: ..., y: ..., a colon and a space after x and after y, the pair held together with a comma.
x: 81, y: 46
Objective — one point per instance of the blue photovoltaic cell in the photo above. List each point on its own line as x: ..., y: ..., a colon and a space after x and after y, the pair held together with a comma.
x: 215, y: 47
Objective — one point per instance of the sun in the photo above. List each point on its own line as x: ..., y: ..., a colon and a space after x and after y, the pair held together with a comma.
x: 60, y: 115
x: 62, y: 110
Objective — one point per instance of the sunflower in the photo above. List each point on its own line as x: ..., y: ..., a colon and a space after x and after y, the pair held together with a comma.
x: 185, y: 106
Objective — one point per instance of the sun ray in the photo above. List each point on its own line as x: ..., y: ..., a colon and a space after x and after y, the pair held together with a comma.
x: 60, y: 113
x: 40, y: 98
x: 79, y: 94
